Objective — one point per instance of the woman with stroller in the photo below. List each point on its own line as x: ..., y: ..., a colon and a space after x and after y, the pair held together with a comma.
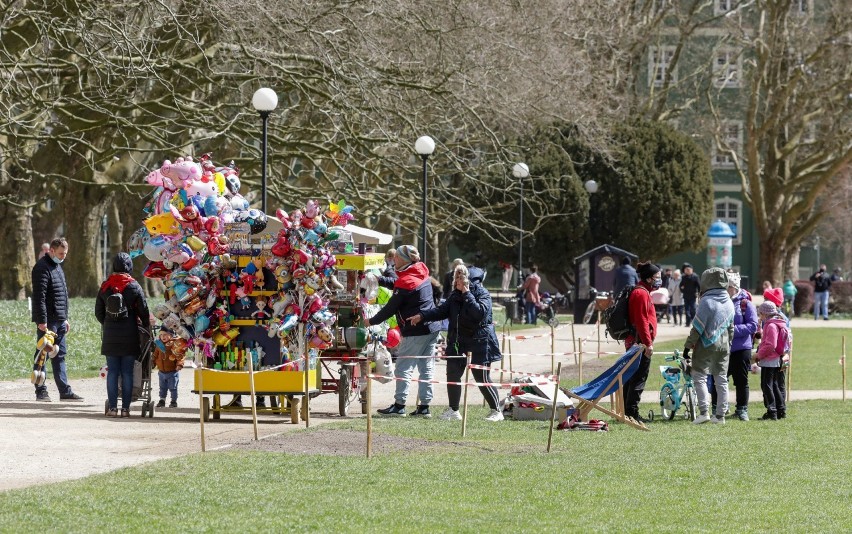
x: 471, y: 329
x: 676, y: 298
x: 710, y: 341
x: 120, y: 308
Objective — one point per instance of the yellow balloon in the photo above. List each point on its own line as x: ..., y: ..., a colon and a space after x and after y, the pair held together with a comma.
x: 219, y: 180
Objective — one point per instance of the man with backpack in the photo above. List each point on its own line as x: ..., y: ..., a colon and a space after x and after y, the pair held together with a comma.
x: 50, y: 313
x: 643, y: 319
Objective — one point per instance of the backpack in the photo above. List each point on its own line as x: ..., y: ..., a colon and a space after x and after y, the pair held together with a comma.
x: 617, y: 317
x: 785, y: 341
x: 115, y: 308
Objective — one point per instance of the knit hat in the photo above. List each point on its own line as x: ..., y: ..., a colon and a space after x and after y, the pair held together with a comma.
x: 734, y: 280
x: 408, y: 254
x: 768, y: 308
x: 647, y: 270
x: 685, y: 265
x: 774, y: 295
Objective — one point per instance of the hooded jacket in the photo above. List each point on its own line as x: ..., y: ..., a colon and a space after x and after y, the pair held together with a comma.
x: 745, y: 321
x: 471, y: 326
x: 50, y: 292
x: 710, y: 336
x: 412, y: 294
x: 121, y: 338
x: 768, y: 355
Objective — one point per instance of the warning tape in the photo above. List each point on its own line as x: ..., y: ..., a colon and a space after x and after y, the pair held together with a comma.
x: 477, y: 384
x: 522, y: 373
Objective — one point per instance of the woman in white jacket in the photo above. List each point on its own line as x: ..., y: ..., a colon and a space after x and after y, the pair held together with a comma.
x: 675, y: 298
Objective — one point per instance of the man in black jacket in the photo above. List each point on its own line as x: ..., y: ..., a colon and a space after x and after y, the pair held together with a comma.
x: 689, y: 288
x: 50, y: 312
x: 412, y: 294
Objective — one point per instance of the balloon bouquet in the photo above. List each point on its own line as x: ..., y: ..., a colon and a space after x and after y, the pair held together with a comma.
x: 197, y: 228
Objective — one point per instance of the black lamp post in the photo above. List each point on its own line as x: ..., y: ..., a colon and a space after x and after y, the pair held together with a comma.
x: 264, y: 101
x: 521, y: 171
x: 424, y: 146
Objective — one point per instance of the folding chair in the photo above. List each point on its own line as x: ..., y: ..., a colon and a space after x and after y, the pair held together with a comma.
x: 610, y: 381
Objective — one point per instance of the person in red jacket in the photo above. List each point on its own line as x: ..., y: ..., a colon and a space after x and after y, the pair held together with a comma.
x: 643, y: 317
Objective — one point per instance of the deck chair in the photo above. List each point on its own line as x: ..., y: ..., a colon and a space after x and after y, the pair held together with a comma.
x: 610, y: 381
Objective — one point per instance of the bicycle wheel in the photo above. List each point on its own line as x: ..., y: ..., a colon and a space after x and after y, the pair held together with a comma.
x: 691, y: 403
x: 590, y: 313
x: 667, y: 402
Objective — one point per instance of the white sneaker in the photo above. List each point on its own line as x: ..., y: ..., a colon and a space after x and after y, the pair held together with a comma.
x: 717, y: 420
x: 451, y: 415
x: 495, y: 415
x: 701, y: 419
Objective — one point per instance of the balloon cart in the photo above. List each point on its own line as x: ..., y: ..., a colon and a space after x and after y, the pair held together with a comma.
x: 250, y: 294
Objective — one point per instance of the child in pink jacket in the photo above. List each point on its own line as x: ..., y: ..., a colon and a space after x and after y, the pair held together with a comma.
x: 771, y: 356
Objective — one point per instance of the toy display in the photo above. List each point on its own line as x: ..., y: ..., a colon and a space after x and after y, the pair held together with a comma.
x: 242, y: 285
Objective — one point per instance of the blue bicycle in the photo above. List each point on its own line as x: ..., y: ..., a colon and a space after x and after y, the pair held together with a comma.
x: 677, y: 390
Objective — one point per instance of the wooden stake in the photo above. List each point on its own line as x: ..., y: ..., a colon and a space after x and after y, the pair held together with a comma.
x: 369, y: 417
x: 502, y: 352
x: 200, y: 372
x: 574, y: 342
x: 466, y: 379
x: 843, y: 366
x: 253, y: 403
x: 599, y: 335
x: 580, y: 364
x: 789, y: 372
x: 552, y: 347
x: 553, y: 407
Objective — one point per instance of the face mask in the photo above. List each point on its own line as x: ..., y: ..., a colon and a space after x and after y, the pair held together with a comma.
x: 657, y: 284
x: 56, y: 260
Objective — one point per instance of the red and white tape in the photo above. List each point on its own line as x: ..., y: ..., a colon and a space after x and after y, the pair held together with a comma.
x: 521, y: 373
x: 444, y: 382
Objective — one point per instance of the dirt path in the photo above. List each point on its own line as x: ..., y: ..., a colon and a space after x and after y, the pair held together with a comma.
x: 49, y: 442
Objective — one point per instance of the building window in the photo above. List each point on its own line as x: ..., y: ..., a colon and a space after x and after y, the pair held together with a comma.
x: 726, y: 69
x: 659, y: 63
x: 720, y: 7
x: 732, y: 139
x: 730, y: 211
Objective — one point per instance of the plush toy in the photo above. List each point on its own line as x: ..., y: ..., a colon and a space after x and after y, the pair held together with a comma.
x: 46, y: 349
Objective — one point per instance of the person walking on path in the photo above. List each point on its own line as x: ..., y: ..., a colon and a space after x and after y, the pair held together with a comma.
x: 710, y: 343
x: 643, y: 317
x: 121, y: 309
x: 774, y: 345
x: 412, y: 294
x: 676, y: 300
x: 690, y: 285
x: 508, y: 271
x: 531, y: 296
x: 745, y: 326
x: 50, y: 312
x: 471, y: 330
x: 624, y: 276
x: 822, y: 285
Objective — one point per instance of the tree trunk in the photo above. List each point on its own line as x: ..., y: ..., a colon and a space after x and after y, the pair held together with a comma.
x: 84, y: 208
x: 772, y: 260
x: 16, y: 227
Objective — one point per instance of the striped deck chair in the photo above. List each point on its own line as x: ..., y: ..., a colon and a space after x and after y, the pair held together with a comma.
x: 607, y: 383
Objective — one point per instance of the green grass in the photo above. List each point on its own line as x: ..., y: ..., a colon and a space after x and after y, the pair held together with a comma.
x: 17, y: 340
x: 761, y: 476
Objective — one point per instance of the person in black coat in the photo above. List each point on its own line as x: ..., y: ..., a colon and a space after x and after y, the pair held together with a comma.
x: 471, y: 330
x: 50, y: 312
x: 120, y: 341
x: 690, y: 286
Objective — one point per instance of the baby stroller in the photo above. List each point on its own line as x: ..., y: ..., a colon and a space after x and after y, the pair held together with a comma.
x: 141, y: 375
x: 546, y: 311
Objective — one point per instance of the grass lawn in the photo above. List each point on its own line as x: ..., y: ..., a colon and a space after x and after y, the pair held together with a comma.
x: 761, y: 476
x: 17, y: 340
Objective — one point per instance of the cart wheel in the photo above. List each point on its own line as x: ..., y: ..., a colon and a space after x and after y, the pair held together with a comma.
x: 667, y: 402
x: 205, y: 409
x: 651, y: 416
x: 106, y: 407
x: 344, y: 388
x: 294, y: 409
x: 150, y: 404
x: 553, y: 321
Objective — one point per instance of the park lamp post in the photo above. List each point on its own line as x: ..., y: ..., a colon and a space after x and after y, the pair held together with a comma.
x: 424, y: 146
x: 521, y: 171
x: 264, y: 102
x: 591, y: 187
